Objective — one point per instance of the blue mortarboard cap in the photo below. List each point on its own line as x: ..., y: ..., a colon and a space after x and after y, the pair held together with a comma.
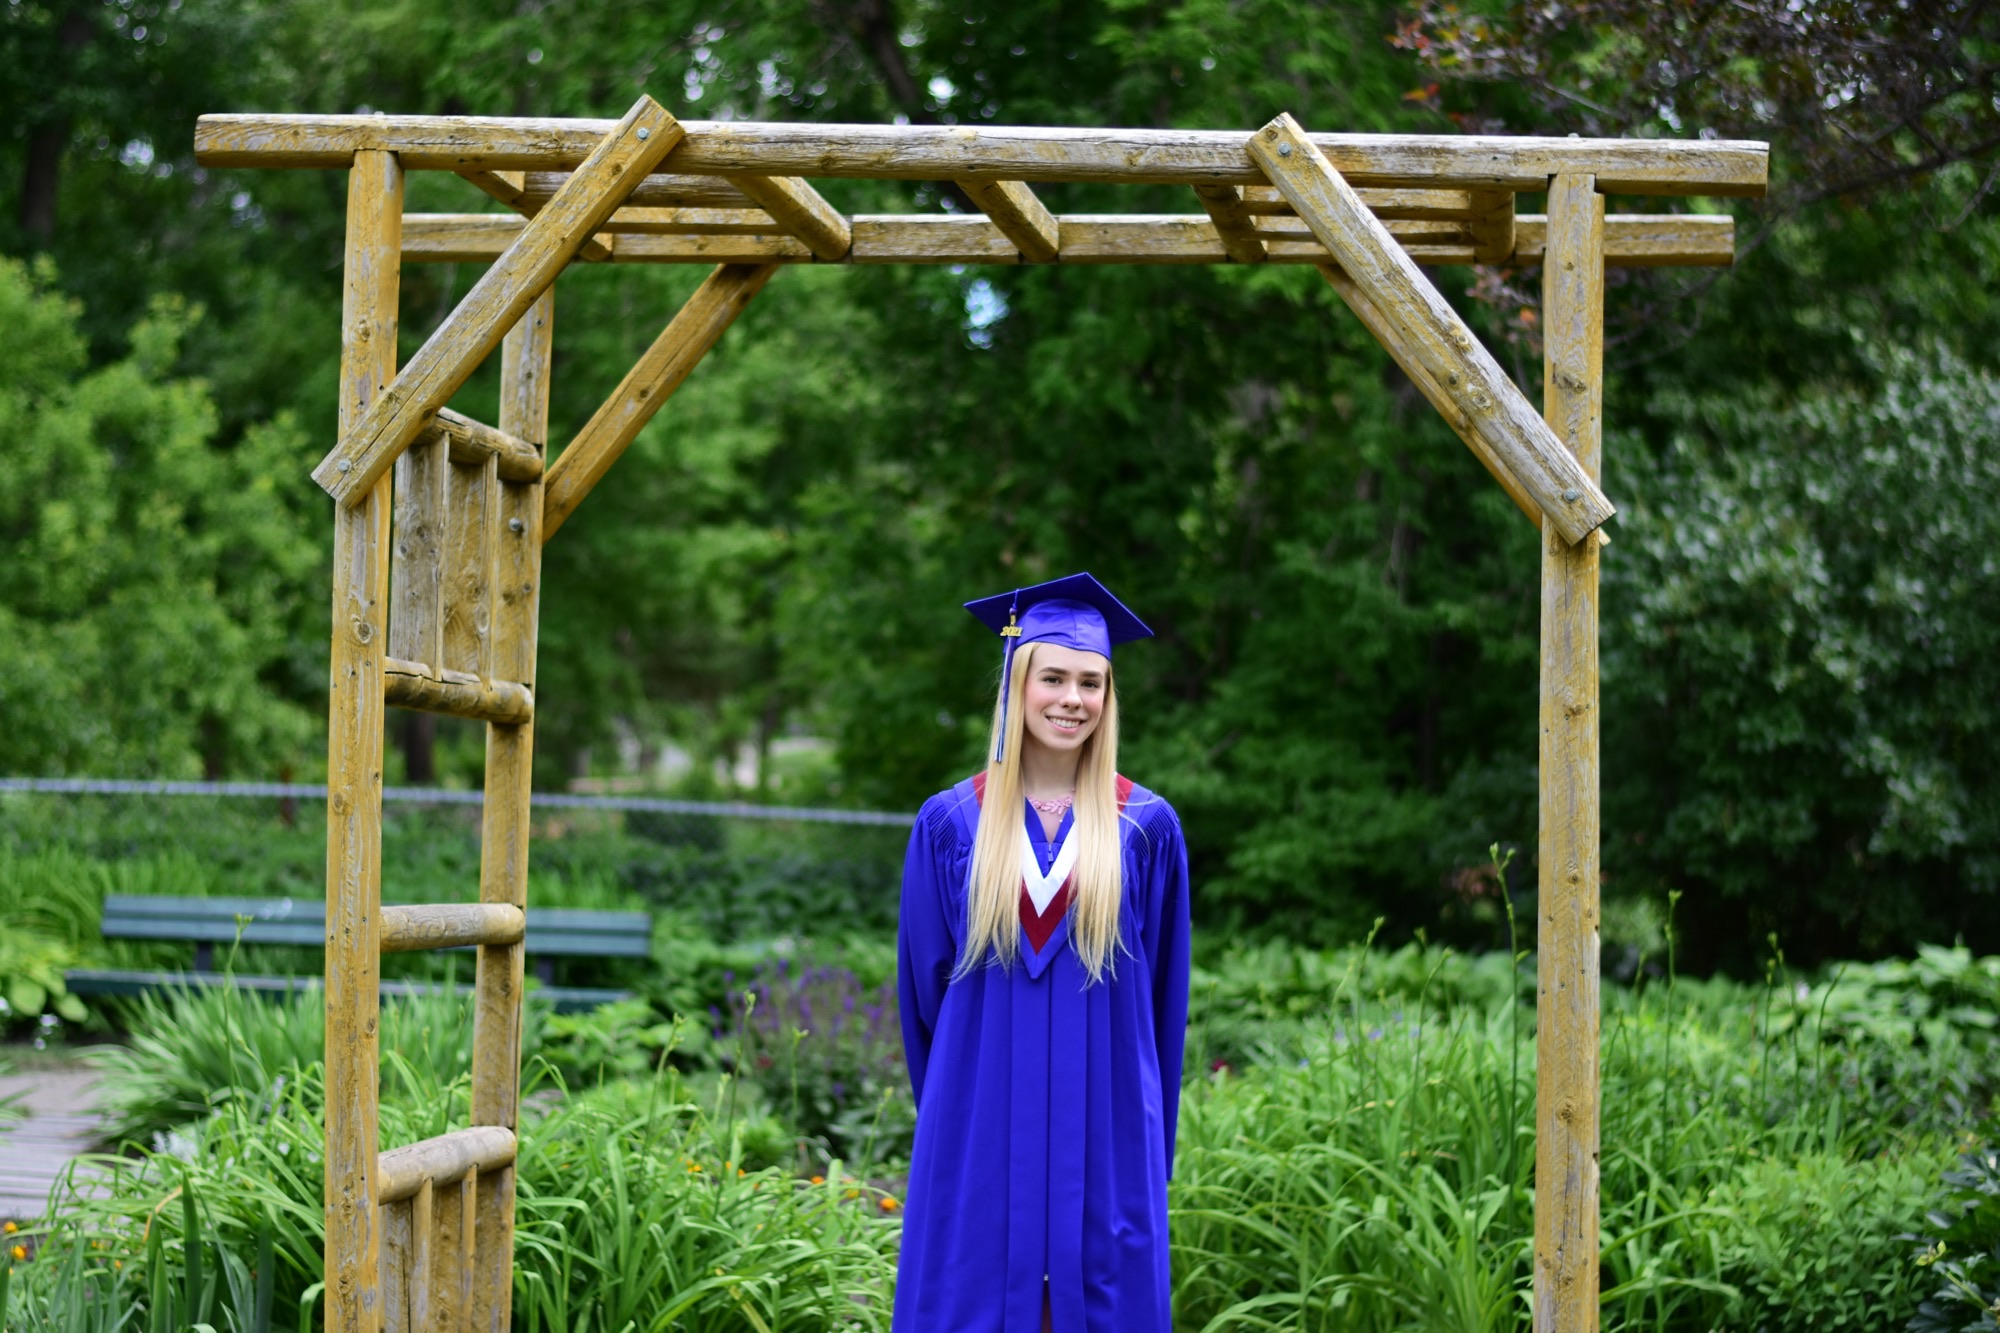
x: 1075, y: 611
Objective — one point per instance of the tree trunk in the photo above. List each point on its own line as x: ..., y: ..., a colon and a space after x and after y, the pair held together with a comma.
x: 41, y: 174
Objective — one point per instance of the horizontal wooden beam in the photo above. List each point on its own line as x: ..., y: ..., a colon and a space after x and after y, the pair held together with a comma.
x: 961, y: 153
x: 474, y: 442
x: 1640, y: 240
x: 663, y: 368
x: 413, y: 685
x: 451, y: 926
x: 1432, y: 333
x: 692, y: 222
x: 626, y: 153
x: 660, y: 190
x: 401, y: 1172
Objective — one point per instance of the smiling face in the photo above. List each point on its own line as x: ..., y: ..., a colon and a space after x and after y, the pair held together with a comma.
x: 1063, y: 697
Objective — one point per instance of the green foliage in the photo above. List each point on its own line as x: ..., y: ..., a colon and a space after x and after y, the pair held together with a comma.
x: 150, y: 574
x: 1364, y: 1162
x: 1806, y: 661
x: 1963, y: 1246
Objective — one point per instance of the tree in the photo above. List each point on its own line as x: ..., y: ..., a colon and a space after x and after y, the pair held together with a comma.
x: 151, y: 577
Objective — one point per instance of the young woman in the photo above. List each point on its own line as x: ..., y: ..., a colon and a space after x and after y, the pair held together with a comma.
x: 1043, y: 978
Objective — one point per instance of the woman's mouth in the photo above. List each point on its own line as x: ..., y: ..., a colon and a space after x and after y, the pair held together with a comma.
x: 1064, y: 723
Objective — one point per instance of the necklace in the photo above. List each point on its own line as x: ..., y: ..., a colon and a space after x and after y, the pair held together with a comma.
x: 1055, y: 805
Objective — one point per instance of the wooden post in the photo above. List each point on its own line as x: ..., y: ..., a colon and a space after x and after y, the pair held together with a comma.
x: 1567, y: 1090
x: 503, y: 867
x: 354, y: 760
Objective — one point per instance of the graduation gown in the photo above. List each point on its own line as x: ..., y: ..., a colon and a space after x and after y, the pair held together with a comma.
x: 1046, y: 1106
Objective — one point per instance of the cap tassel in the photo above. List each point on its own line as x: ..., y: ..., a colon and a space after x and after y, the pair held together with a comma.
x: 1012, y: 634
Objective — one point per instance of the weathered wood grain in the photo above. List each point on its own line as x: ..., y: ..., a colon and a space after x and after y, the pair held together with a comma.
x: 629, y: 221
x: 423, y: 1258
x: 443, y: 1159
x: 1572, y: 505
x: 660, y: 190
x: 395, y: 1269
x: 647, y: 386
x: 1235, y: 225
x: 930, y: 152
x: 354, y: 760
x: 623, y: 157
x: 470, y: 502
x: 1020, y: 216
x: 1645, y: 240
x: 473, y: 442
x: 416, y: 570
x: 797, y: 208
x: 454, y: 693
x: 504, y: 829
x: 1492, y: 225
x: 1638, y: 240
x: 1567, y: 1095
x: 450, y: 926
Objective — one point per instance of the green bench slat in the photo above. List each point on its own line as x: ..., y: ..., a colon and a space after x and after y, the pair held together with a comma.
x: 96, y: 981
x: 566, y: 932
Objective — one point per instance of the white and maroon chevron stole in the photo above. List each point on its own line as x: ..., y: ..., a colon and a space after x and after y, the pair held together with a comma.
x: 1045, y: 898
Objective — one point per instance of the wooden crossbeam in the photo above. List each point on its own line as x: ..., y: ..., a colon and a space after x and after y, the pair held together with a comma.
x: 798, y: 209
x: 427, y: 688
x: 961, y: 153
x: 1631, y: 240
x: 660, y: 190
x: 1235, y: 226
x: 623, y: 157
x: 1020, y: 216
x: 469, y: 441
x: 1436, y: 337
x: 647, y: 386
x: 443, y: 1160
x: 506, y: 186
x: 451, y: 926
x: 692, y: 222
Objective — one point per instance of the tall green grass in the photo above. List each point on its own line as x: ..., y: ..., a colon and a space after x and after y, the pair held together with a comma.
x: 1356, y: 1152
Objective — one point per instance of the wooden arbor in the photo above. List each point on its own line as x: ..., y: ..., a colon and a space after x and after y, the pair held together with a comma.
x: 420, y: 1236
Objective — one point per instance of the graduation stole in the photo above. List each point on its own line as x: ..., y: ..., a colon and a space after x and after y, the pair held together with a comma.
x: 1045, y: 897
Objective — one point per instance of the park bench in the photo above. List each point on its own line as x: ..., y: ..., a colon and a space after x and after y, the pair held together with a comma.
x: 207, y: 922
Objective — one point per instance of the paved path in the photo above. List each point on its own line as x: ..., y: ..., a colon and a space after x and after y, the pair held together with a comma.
x: 61, y: 1123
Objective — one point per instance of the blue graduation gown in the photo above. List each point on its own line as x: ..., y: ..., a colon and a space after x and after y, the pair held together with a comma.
x: 1046, y: 1107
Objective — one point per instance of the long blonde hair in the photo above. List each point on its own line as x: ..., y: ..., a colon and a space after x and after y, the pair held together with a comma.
x: 993, y: 890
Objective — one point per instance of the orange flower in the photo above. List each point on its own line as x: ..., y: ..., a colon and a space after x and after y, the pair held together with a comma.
x: 20, y: 1252
x: 819, y: 1180
x: 888, y: 1203
x: 694, y: 1166
x: 12, y: 1227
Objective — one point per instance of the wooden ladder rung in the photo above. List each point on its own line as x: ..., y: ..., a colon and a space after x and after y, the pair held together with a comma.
x: 401, y: 1172
x: 473, y: 442
x: 457, y: 693
x: 451, y: 926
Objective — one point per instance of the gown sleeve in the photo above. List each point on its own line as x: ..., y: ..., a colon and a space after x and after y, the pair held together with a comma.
x: 925, y: 949
x: 1171, y: 930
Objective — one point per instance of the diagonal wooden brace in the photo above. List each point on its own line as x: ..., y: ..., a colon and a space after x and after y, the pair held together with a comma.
x: 402, y: 411
x: 647, y: 386
x: 1436, y: 338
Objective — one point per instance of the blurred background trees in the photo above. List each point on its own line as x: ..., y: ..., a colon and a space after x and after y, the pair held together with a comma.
x: 1799, y: 645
